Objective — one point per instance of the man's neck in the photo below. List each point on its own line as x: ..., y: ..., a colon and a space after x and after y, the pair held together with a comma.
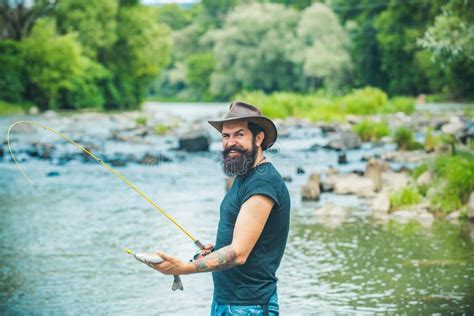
x: 260, y: 159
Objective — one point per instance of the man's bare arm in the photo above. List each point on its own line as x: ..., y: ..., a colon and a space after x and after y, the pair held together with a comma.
x: 221, y: 259
x: 248, y: 227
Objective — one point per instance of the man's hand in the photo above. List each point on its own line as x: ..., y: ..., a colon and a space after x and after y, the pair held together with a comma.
x: 204, y: 252
x: 173, y: 265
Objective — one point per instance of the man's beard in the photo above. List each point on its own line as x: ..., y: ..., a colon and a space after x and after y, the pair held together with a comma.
x: 241, y: 164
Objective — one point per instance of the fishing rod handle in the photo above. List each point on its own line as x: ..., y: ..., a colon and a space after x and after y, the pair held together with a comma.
x: 199, y: 244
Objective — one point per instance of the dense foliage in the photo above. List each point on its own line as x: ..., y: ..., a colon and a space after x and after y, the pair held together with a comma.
x: 114, y: 53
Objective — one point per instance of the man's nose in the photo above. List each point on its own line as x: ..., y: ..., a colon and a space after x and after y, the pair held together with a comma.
x: 230, y: 143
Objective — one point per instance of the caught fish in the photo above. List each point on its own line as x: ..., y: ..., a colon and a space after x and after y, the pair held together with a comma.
x: 152, y: 259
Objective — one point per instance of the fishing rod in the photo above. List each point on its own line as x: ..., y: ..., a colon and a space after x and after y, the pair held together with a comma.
x: 148, y: 259
x: 196, y: 241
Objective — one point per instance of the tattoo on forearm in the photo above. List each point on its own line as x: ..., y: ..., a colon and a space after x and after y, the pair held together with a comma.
x: 221, y: 259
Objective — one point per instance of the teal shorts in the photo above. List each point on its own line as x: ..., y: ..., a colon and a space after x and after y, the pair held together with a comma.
x: 224, y: 310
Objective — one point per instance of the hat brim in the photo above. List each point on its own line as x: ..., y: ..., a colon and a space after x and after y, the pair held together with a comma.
x: 266, y: 124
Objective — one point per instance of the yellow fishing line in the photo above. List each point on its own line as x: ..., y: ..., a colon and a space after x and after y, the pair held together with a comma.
x: 115, y: 172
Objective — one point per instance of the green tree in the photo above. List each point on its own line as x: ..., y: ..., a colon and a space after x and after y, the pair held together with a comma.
x: 12, y: 78
x: 142, y: 50
x: 359, y: 17
x: 174, y: 16
x: 298, y: 4
x: 325, y: 56
x: 398, y: 28
x: 18, y: 17
x: 451, y: 36
x: 94, y: 21
x: 56, y: 65
x: 199, y: 68
x: 215, y: 11
x: 256, y: 55
x: 450, y: 40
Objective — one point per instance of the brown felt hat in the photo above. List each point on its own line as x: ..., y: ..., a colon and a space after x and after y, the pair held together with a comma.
x: 246, y: 112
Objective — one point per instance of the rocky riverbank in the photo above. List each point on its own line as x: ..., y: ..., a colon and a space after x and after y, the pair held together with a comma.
x: 376, y: 172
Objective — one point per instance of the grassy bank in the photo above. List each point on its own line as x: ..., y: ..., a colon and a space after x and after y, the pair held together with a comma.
x: 7, y: 108
x: 452, y: 181
x: 318, y: 107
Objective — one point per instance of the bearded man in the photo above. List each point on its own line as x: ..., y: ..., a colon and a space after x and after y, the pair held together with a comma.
x: 254, y: 220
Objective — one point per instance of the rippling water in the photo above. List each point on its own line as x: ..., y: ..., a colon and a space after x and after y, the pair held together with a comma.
x: 62, y: 244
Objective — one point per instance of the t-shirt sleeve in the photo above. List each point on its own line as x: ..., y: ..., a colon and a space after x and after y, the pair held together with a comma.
x: 261, y: 187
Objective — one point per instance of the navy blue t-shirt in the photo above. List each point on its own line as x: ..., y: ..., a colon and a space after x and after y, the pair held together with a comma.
x: 254, y: 282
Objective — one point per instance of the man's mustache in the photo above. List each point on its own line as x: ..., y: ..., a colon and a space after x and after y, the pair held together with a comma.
x: 234, y: 148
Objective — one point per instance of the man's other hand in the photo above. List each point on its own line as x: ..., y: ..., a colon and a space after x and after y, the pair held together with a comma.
x: 173, y: 265
x: 204, y: 252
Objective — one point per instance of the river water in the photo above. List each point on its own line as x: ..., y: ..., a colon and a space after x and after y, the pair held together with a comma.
x: 62, y: 242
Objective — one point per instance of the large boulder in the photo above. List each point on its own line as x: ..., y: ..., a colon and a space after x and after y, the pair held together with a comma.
x: 195, y: 140
x: 354, y: 184
x: 310, y: 191
x: 374, y: 170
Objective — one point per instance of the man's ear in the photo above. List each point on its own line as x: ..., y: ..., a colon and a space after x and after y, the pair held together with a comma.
x: 259, y: 139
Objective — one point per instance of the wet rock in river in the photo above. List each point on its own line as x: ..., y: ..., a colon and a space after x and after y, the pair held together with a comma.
x: 381, y: 203
x: 354, y: 184
x: 50, y: 115
x: 327, y: 183
x: 454, y: 126
x: 287, y: 179
x: 33, y: 110
x: 403, y: 216
x: 300, y: 170
x: 467, y: 133
x: 1, y: 152
x: 393, y: 181
x: 374, y: 170
x: 454, y: 217
x: 328, y: 128
x: 40, y: 150
x: 342, y: 158
x: 442, y: 149
x: 425, y: 219
x: 52, y: 174
x: 193, y: 141
x: 153, y: 159
x: 414, y: 156
x: 331, y: 215
x: 310, y: 191
x: 344, y: 140
x: 120, y: 160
